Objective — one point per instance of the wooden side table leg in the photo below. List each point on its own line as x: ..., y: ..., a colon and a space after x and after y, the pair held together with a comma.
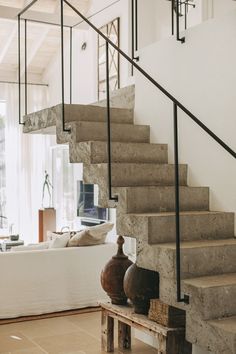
x: 124, y: 336
x: 107, y: 339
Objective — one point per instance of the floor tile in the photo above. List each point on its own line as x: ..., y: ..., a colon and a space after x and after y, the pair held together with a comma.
x: 14, y: 341
x: 67, y: 343
x: 75, y: 334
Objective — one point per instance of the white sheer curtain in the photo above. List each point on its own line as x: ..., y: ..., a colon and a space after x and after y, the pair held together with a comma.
x: 27, y: 157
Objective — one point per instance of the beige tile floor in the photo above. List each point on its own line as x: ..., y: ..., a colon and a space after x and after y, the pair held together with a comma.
x: 77, y: 334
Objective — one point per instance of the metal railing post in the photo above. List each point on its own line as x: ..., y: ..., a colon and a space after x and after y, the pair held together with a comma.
x: 182, y: 40
x: 62, y: 71
x: 177, y: 210
x: 109, y: 152
x: 134, y: 30
x: 26, y: 79
x: 71, y: 63
x: 173, y: 17
x: 19, y: 68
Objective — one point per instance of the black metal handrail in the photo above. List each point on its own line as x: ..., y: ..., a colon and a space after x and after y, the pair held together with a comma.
x: 176, y: 105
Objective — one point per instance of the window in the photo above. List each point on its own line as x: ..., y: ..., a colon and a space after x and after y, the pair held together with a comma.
x: 3, y: 218
x: 111, y: 30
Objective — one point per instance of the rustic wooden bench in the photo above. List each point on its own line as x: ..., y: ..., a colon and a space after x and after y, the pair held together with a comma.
x: 170, y: 340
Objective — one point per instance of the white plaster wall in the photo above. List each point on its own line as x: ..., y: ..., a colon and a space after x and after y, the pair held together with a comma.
x: 201, y: 75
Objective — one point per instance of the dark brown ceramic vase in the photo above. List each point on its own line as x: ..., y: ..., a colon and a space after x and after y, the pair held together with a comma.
x: 140, y: 286
x: 112, y: 276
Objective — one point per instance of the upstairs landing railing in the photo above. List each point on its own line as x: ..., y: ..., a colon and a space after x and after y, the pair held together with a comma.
x: 177, y: 105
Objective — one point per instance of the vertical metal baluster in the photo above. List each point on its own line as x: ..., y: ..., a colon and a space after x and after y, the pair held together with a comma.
x: 109, y: 126
x: 62, y: 70
x: 71, y: 63
x: 26, y: 88
x: 177, y: 209
x: 185, y: 14
x: 136, y: 27
x: 132, y: 35
x: 173, y: 17
x: 19, y: 68
x: 182, y: 40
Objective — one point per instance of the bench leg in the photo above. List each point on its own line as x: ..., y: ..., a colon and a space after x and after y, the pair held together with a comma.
x: 124, y: 336
x: 107, y: 332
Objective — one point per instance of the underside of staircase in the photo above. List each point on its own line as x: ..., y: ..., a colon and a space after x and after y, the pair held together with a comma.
x: 144, y: 183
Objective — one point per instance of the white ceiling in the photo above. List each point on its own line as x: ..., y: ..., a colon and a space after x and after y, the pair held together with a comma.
x: 43, y: 41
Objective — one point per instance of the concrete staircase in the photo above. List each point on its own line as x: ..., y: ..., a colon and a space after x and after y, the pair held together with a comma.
x: 144, y: 183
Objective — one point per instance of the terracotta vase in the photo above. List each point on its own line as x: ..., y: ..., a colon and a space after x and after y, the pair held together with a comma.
x: 140, y: 286
x: 112, y: 276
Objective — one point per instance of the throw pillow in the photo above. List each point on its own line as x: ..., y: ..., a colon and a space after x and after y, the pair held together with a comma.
x: 94, y: 235
x: 32, y: 247
x: 60, y: 241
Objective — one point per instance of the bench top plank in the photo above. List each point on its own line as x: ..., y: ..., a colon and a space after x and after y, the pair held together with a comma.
x: 127, y: 312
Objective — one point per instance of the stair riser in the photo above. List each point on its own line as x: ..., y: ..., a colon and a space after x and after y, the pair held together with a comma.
x: 204, y: 335
x: 194, y: 227
x: 213, y: 302
x: 89, y: 113
x: 195, y: 262
x: 162, y: 199
x: 119, y: 132
x: 96, y: 152
x: 125, y: 175
x: 161, y: 229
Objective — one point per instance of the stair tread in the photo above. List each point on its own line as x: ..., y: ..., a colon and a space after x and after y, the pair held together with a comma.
x: 227, y: 324
x: 212, y: 281
x: 183, y: 213
x: 198, y: 244
x: 115, y: 143
x: 123, y: 125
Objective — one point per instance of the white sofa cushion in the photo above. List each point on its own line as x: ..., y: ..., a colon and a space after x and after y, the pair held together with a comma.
x: 32, y: 247
x: 60, y: 241
x: 94, y: 235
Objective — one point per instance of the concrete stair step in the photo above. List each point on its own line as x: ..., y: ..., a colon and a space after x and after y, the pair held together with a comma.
x: 159, y: 199
x: 133, y: 174
x: 158, y: 228
x: 45, y: 120
x: 93, y: 113
x: 198, y: 258
x: 97, y: 131
x: 96, y: 152
x: 225, y: 331
x: 212, y: 296
x: 218, y: 336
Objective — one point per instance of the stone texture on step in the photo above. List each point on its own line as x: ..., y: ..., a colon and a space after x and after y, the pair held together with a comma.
x: 96, y: 131
x: 226, y: 331
x: 122, y: 98
x: 161, y: 199
x: 43, y: 122
x: 218, y: 336
x: 160, y: 227
x: 134, y: 174
x: 92, y: 113
x: 130, y: 174
x: 198, y: 258
x: 46, y: 119
x: 96, y: 152
x: 212, y: 296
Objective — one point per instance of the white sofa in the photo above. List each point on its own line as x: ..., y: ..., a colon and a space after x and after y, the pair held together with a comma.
x: 45, y: 281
